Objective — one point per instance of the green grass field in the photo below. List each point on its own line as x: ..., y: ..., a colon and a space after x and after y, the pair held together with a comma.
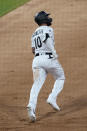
x: 8, y: 5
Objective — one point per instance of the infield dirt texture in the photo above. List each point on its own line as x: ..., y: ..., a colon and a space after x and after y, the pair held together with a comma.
x: 16, y: 28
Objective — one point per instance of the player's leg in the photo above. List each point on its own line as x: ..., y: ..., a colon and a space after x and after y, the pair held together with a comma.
x: 58, y: 86
x: 39, y: 76
x: 58, y: 74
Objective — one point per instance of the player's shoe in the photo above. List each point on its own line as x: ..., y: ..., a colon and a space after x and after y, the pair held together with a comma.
x: 31, y: 114
x: 53, y: 103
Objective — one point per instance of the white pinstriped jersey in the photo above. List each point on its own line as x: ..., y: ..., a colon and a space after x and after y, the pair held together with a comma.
x: 39, y: 41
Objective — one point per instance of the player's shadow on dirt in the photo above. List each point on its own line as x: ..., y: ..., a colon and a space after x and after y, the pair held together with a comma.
x: 48, y: 114
x: 72, y: 107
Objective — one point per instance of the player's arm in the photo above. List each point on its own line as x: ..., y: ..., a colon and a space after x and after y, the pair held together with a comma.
x: 33, y: 45
x: 50, y: 45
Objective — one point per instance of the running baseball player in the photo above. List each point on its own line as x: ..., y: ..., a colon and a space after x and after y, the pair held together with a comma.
x: 45, y: 61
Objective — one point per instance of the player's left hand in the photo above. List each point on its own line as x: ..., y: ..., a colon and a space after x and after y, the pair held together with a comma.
x: 55, y: 56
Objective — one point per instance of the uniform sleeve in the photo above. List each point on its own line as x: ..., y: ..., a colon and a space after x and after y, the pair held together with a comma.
x: 32, y: 42
x: 51, y: 34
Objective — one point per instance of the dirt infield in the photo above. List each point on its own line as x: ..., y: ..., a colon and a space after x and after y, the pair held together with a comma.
x: 16, y: 28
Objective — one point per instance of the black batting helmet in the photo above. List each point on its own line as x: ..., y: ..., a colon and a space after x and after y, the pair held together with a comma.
x: 43, y: 18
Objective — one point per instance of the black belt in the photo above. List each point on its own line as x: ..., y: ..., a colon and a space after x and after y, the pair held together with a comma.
x: 47, y: 53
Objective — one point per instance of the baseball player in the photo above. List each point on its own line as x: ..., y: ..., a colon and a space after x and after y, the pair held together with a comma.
x: 44, y: 62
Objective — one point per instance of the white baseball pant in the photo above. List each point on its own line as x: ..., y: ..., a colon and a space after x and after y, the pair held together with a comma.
x: 41, y: 66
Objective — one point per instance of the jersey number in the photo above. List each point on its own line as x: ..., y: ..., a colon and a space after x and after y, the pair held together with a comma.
x: 38, y: 42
